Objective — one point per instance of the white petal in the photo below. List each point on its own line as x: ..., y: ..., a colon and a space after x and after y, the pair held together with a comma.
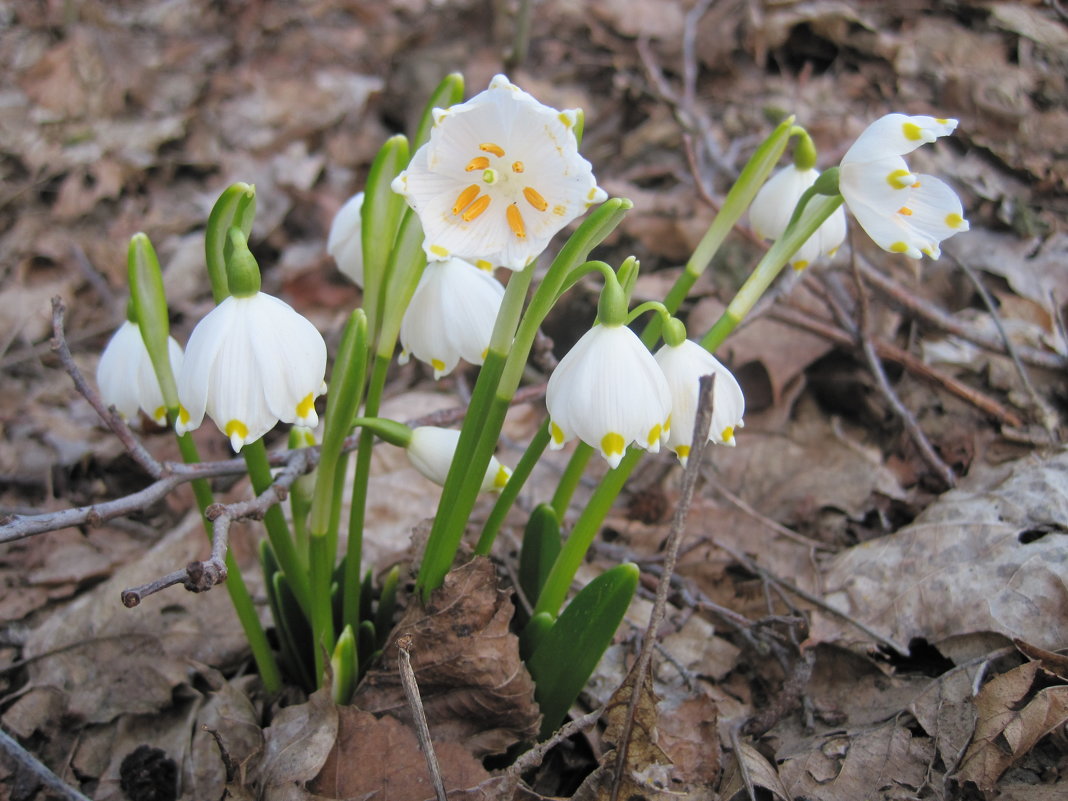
x: 774, y: 204
x: 118, y: 370
x: 896, y: 135
x: 431, y: 451
x: 149, y: 392
x: 344, y: 242
x: 194, y: 379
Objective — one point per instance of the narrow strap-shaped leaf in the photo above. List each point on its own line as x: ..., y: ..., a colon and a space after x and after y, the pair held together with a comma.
x: 345, y: 665
x: 541, y: 544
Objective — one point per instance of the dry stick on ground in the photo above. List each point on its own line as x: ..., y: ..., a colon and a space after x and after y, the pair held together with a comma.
x: 59, y: 344
x: 671, y: 549
x: 202, y: 576
x: 875, y: 364
x: 415, y: 704
x: 54, y: 786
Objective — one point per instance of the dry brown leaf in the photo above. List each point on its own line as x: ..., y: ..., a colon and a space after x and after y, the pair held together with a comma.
x: 886, y: 762
x: 296, y: 744
x: 398, y: 771
x: 947, y: 712
x: 474, y: 687
x: 760, y: 772
x: 227, y: 739
x: 989, y: 558
x: 1054, y: 663
x: 1009, y: 725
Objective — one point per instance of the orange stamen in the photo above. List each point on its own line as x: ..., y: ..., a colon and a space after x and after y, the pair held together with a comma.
x: 465, y: 198
x: 515, y: 220
x: 534, y: 198
x: 477, y: 163
x: 476, y: 208
x: 489, y: 147
x: 517, y: 166
x: 905, y: 211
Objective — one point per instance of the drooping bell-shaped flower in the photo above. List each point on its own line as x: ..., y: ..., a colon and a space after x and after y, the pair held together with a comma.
x: 500, y: 175
x: 431, y: 450
x: 126, y: 377
x: 609, y: 392
x: 683, y: 365
x: 344, y: 242
x: 903, y: 212
x: 251, y: 362
x: 451, y: 315
x: 774, y: 204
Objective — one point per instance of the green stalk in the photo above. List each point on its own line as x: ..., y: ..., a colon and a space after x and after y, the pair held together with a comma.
x: 512, y: 489
x: 570, y: 479
x: 294, y: 567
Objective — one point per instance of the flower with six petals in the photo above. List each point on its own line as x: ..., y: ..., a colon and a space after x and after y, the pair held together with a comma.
x: 683, y: 365
x: 903, y: 212
x: 451, y: 315
x: 500, y: 175
x: 609, y: 392
x: 250, y: 363
x: 126, y: 377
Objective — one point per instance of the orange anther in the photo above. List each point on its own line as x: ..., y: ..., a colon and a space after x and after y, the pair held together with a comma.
x: 517, y: 166
x: 477, y: 163
x: 476, y: 208
x: 515, y: 221
x: 534, y: 198
x: 905, y: 211
x: 465, y: 198
x: 489, y: 147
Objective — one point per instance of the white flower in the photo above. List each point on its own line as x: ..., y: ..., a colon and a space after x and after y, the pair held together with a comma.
x: 126, y: 377
x: 608, y: 391
x: 500, y: 175
x: 451, y: 315
x: 344, y: 242
x: 774, y: 205
x: 250, y: 363
x: 901, y: 211
x: 683, y: 365
x: 431, y: 450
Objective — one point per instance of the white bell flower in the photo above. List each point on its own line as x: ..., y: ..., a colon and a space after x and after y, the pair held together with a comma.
x: 431, y: 451
x: 683, y: 366
x: 126, y: 377
x: 499, y: 177
x: 250, y: 363
x: 901, y: 211
x: 451, y: 315
x: 344, y: 242
x: 774, y: 204
x: 609, y: 392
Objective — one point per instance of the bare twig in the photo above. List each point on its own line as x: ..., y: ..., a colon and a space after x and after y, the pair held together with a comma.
x: 55, y: 786
x: 533, y: 757
x: 59, y: 344
x: 201, y: 576
x: 671, y: 550
x: 415, y: 704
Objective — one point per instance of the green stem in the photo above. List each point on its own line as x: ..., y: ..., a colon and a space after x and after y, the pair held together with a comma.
x: 294, y: 567
x: 570, y: 479
x: 511, y: 490
x: 235, y: 583
x: 322, y: 618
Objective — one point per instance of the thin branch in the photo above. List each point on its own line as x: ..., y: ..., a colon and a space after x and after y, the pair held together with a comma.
x: 533, y: 757
x: 133, y: 445
x: 415, y: 704
x: 671, y: 549
x: 54, y: 785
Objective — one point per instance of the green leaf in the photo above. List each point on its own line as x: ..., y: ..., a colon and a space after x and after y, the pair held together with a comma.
x: 345, y: 666
x: 365, y: 642
x: 387, y: 605
x: 533, y: 634
x: 541, y: 544
x: 294, y: 632
x: 567, y: 654
x: 149, y: 303
x: 448, y: 93
x: 380, y: 218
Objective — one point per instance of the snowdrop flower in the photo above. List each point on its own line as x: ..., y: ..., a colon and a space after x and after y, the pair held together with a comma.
x: 683, y: 365
x: 451, y: 315
x: 901, y: 211
x: 774, y: 204
x: 250, y: 363
x: 126, y: 377
x: 500, y: 175
x: 608, y: 391
x: 344, y: 242
x: 431, y: 450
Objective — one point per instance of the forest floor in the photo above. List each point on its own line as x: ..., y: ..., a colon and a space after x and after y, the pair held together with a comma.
x: 872, y: 597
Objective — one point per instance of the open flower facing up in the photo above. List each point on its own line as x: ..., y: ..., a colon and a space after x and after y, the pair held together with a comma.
x: 609, y: 392
x: 250, y: 363
x: 901, y: 211
x: 431, y: 450
x: 344, y: 242
x: 774, y: 204
x: 683, y: 365
x: 126, y: 377
x: 500, y: 175
x: 451, y: 315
